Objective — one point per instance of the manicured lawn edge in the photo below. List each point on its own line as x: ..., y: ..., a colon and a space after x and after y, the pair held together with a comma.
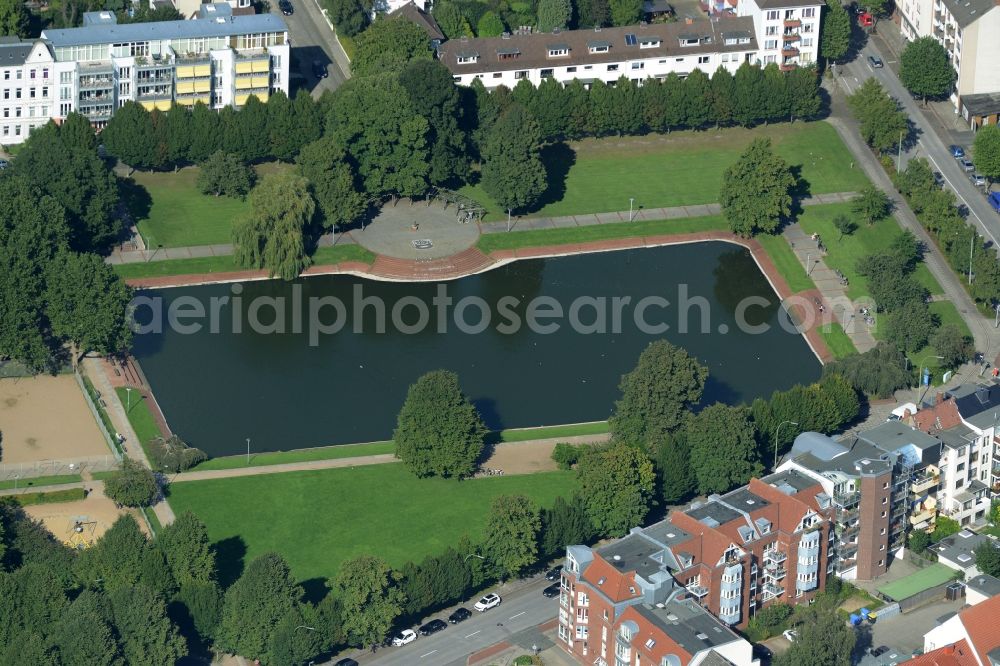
x: 38, y: 481
x: 139, y: 416
x: 68, y: 495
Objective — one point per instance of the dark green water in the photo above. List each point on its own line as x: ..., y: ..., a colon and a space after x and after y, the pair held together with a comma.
x: 217, y: 389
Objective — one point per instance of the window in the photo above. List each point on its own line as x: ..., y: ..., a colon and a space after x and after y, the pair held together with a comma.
x: 702, y: 60
x: 807, y: 27
x: 649, y: 43
x: 882, y: 531
x: 65, y: 77
x: 466, y: 59
x: 769, y: 59
x: 497, y: 75
x: 881, y: 548
x: 807, y: 42
x: 45, y: 73
x: 638, y: 65
x: 689, y: 41
x: 809, y: 12
x: 771, y: 31
x: 612, y: 68
x: 599, y: 48
x: 17, y: 93
x: 570, y: 70
x: 6, y: 75
x: 546, y: 73
x: 771, y: 44
x: 772, y: 15
x: 558, y: 51
x: 45, y: 92
x: 523, y: 74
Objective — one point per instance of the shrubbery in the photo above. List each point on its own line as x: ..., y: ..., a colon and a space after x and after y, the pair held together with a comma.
x: 173, y: 455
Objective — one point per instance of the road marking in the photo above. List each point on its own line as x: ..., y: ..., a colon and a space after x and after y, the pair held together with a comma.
x: 957, y: 194
x: 428, y: 654
x: 518, y: 615
x: 473, y: 633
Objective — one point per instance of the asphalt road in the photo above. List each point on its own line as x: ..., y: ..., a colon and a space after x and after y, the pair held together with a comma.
x: 313, y: 40
x: 520, y: 610
x: 927, y: 144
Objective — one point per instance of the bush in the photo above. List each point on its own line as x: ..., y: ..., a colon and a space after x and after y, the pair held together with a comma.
x: 566, y: 455
x: 133, y: 485
x: 69, y: 495
x: 173, y: 455
x: 769, y: 621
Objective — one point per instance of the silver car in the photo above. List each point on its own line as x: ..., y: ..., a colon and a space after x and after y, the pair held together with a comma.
x: 967, y: 165
x: 978, y: 179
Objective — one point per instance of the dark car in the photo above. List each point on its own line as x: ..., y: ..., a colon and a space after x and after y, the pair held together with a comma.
x: 433, y: 627
x: 880, y: 650
x: 553, y: 573
x: 346, y: 661
x: 286, y: 7
x: 875, y: 62
x: 762, y: 652
x: 957, y: 152
x: 459, y: 615
x: 551, y: 591
x: 319, y: 70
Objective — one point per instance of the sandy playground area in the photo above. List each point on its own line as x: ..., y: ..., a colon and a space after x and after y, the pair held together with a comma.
x: 523, y: 458
x: 95, y: 515
x: 46, y: 418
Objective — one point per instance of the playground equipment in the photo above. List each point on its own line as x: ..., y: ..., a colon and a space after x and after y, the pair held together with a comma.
x: 80, y: 532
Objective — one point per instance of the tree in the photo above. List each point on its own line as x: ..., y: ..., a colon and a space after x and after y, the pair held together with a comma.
x: 188, y: 551
x: 172, y: 454
x: 883, y: 124
x: 88, y: 303
x: 255, y: 603
x: 292, y: 645
x: 449, y: 18
x: 224, y: 173
x: 132, y: 485
x: 952, y: 344
x: 435, y: 96
x: 845, y: 225
x: 554, y: 14
x: 203, y: 602
x: 76, y: 132
x: 349, y: 16
x: 891, y: 281
x: 802, y: 85
x: 512, y: 171
x: 14, y: 18
x: 284, y: 138
x: 204, y: 133
x: 84, y: 635
x: 823, y: 640
x: 387, y: 45
x: 438, y: 431
x: 910, y: 326
x: 723, y: 448
x: 756, y: 191
x: 129, y: 135
x: 656, y: 395
x: 986, y: 152
x: 677, y: 480
x: 371, y: 599
x: 178, y: 123
x: 616, y: 484
x: 871, y: 204
x: 835, y: 37
x: 147, y: 636
x: 944, y: 527
x: 563, y: 525
x: 332, y: 181
x: 511, y: 542
x: 919, y: 541
x: 876, y: 373
x: 749, y: 101
x: 490, y: 25
x: 723, y: 93
x: 925, y: 69
x: 272, y: 235
x: 988, y: 558
x: 625, y: 12
x: 307, y: 117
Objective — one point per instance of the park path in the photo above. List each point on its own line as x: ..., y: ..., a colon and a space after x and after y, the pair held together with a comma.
x: 29, y: 490
x: 504, y: 449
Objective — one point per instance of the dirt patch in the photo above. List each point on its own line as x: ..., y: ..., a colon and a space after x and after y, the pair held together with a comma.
x: 854, y: 603
x: 523, y: 457
x: 46, y: 418
x: 95, y: 515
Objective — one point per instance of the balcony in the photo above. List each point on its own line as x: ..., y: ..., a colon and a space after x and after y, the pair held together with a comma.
x: 789, y: 52
x: 775, y: 574
x: 924, y: 483
x: 789, y: 37
x: 94, y: 83
x: 793, y: 23
x: 770, y: 591
x: 698, y: 591
x: 773, y: 557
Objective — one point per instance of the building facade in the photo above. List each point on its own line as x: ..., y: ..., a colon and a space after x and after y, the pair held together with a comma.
x: 93, y: 70
x: 784, y: 32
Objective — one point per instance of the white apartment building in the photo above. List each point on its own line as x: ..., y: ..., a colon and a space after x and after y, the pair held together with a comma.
x: 785, y: 32
x: 968, y: 30
x: 94, y: 69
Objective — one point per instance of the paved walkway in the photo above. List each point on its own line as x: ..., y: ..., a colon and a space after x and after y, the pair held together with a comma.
x: 29, y: 490
x: 832, y: 293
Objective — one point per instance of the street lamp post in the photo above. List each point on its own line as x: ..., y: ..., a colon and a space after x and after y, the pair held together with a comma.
x: 631, y: 200
x: 128, y: 399
x: 16, y: 477
x: 776, y: 431
x: 248, y: 451
x: 899, y: 157
x: 508, y: 219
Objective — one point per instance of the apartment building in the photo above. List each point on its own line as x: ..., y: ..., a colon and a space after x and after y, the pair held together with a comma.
x: 728, y: 556
x: 785, y: 32
x: 220, y: 61
x: 958, y: 551
x: 967, y: 29
x: 969, y: 638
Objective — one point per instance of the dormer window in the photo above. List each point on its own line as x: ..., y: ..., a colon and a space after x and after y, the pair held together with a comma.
x: 508, y: 54
x: 598, y: 47
x: 689, y: 40
x: 466, y: 57
x: 649, y: 42
x: 558, y: 50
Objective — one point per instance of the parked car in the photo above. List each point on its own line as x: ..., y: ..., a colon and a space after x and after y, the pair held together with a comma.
x: 319, y: 70
x: 967, y: 165
x: 433, y: 627
x: 790, y: 635
x: 761, y: 652
x: 404, y: 637
x: 491, y: 600
x: 459, y: 615
x: 554, y: 573
x: 4, y: 164
x: 286, y: 7
x: 880, y: 650
x: 347, y: 661
x: 978, y: 179
x: 551, y: 591
x: 994, y: 200
x: 875, y: 62
x: 957, y: 152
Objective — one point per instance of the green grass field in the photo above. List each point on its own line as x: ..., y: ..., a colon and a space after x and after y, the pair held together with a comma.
x: 323, y: 256
x: 680, y: 168
x: 318, y: 519
x: 554, y: 432
x: 177, y: 214
x: 924, y: 579
x: 786, y: 262
x: 139, y: 415
x: 836, y: 339
x: 38, y: 481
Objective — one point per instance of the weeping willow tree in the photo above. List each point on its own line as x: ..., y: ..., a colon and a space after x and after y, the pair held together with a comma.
x: 272, y: 235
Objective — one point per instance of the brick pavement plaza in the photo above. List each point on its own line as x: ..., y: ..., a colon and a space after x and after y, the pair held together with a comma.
x: 397, y: 225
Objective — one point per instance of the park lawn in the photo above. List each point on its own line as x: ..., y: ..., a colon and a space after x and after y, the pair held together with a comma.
x: 554, y: 432
x: 208, y: 265
x: 38, y: 481
x: 564, y: 236
x: 786, y: 262
x: 180, y: 215
x: 678, y: 169
x: 140, y: 416
x: 836, y: 340
x: 300, y: 455
x: 844, y: 253
x: 317, y: 519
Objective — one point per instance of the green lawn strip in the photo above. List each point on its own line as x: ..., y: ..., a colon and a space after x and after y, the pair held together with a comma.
x: 101, y: 476
x: 837, y: 341
x: 140, y: 416
x: 323, y: 256
x: 317, y: 519
x: 554, y: 432
x: 564, y: 236
x: 153, y: 520
x: 68, y: 495
x: 301, y: 455
x: 688, y: 168
x: 844, y: 252
x: 786, y: 262
x: 38, y: 481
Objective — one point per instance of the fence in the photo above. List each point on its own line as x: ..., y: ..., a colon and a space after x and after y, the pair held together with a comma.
x: 96, y: 411
x: 921, y: 598
x: 37, y: 468
x: 918, y: 561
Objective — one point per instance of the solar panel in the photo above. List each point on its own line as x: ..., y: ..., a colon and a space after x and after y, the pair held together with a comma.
x: 630, y: 39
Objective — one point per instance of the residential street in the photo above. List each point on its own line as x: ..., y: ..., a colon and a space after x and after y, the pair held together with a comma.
x: 313, y: 40
x: 521, y: 611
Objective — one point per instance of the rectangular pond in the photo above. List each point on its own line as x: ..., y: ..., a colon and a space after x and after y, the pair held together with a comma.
x: 560, y: 333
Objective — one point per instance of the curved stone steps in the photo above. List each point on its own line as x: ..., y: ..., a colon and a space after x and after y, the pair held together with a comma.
x: 464, y: 263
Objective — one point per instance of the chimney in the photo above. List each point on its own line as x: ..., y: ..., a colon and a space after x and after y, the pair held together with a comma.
x: 688, y: 21
x: 939, y: 398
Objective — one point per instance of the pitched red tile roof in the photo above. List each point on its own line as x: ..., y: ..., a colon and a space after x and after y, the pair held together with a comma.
x: 956, y: 654
x: 941, y: 416
x: 711, y: 542
x: 981, y: 624
x: 615, y: 583
x: 791, y: 509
